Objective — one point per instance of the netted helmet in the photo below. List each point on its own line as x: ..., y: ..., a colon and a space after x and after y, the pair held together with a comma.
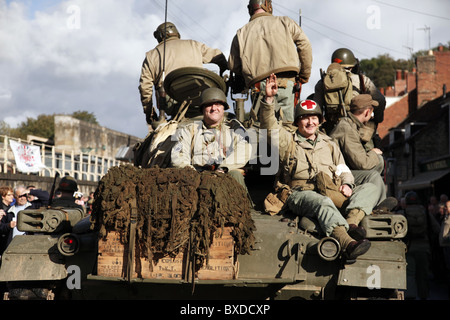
x: 68, y: 183
x: 344, y: 57
x: 307, y: 107
x: 165, y: 31
x: 253, y: 5
x: 212, y: 95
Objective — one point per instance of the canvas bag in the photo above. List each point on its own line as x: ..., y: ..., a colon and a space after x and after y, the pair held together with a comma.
x: 157, y: 146
x: 338, y: 93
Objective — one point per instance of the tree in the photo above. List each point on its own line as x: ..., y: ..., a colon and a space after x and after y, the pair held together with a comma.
x: 381, y: 70
x: 85, y: 116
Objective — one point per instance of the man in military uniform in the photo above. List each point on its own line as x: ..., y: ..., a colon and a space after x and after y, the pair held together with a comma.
x: 171, y: 53
x: 314, y: 155
x: 365, y: 161
x: 215, y: 143
x: 360, y: 84
x: 269, y: 44
x: 67, y: 186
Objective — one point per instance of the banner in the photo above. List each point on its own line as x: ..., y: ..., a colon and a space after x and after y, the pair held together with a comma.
x: 28, y: 157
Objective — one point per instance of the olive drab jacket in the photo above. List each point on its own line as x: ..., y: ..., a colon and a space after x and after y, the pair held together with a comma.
x: 323, y: 156
x: 356, y: 148
x: 198, y: 146
x: 179, y: 53
x: 289, y: 49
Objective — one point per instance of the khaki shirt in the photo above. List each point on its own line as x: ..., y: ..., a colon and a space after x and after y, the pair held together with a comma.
x: 197, y: 146
x: 178, y: 54
x: 347, y: 135
x: 270, y: 44
x: 324, y: 153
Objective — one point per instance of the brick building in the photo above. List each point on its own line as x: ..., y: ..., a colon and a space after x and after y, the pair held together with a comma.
x: 415, y: 131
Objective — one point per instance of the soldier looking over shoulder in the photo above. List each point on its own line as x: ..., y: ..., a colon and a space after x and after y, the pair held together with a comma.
x: 271, y: 44
x: 316, y: 157
x: 170, y: 54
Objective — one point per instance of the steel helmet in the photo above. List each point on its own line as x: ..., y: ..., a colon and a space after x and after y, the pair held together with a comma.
x: 344, y: 57
x: 307, y: 107
x: 165, y: 31
x: 211, y: 95
x: 253, y: 5
x: 68, y: 183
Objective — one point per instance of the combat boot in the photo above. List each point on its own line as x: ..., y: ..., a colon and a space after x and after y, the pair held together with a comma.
x: 354, y: 217
x: 351, y: 248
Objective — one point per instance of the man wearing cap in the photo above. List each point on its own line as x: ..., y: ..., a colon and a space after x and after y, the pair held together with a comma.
x: 216, y: 143
x: 314, y: 154
x: 355, y: 142
x: 67, y: 186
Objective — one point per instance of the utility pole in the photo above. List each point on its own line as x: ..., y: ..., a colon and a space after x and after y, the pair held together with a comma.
x: 300, y: 17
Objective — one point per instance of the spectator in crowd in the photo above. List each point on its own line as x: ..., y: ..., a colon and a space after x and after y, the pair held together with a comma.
x: 37, y: 197
x: 6, y: 222
x: 418, y: 255
x: 20, y: 193
x: 444, y: 241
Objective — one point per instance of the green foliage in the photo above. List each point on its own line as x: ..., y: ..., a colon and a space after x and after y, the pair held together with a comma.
x: 381, y: 70
x: 85, y: 116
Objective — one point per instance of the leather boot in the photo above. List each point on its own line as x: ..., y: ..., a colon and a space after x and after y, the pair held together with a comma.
x: 341, y: 235
x: 351, y: 248
x: 354, y: 217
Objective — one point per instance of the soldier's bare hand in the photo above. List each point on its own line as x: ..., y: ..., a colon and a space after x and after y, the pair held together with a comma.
x: 271, y: 88
x: 346, y: 190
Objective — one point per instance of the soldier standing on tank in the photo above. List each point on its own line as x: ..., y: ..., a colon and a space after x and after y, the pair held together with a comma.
x: 271, y: 44
x: 170, y: 54
x: 314, y: 153
x: 360, y: 83
x: 216, y: 143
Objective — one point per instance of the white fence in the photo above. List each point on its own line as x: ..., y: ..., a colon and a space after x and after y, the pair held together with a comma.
x: 81, y: 166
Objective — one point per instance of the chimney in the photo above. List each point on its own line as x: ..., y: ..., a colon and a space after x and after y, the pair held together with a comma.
x: 399, y: 75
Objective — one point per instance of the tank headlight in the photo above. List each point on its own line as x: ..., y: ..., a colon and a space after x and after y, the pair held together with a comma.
x: 328, y: 248
x: 68, y: 244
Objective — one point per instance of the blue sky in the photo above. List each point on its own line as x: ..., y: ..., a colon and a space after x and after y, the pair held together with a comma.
x: 61, y: 56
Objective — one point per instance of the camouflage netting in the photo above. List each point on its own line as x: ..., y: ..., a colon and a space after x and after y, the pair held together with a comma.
x: 172, y: 205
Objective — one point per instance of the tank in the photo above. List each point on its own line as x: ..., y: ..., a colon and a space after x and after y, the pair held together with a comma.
x: 64, y: 257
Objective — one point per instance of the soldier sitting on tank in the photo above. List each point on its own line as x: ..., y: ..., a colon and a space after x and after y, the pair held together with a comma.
x: 317, y: 158
x: 67, y: 187
x: 172, y: 53
x: 365, y: 161
x: 216, y: 143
